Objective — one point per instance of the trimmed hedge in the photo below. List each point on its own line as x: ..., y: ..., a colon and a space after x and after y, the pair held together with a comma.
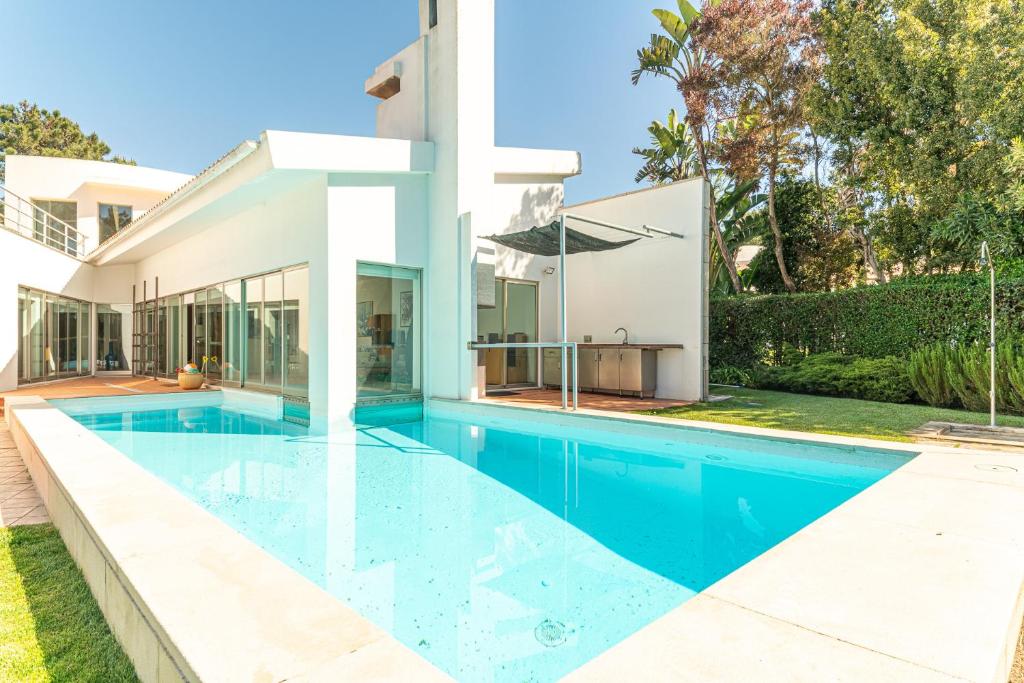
x: 871, y: 321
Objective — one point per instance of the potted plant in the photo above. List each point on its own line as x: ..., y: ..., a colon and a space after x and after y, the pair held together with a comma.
x: 189, y: 377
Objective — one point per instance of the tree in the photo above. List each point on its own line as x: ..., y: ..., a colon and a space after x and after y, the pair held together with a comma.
x: 764, y: 59
x: 28, y: 129
x: 922, y: 99
x: 673, y: 56
x: 819, y: 254
x: 671, y: 156
x: 740, y: 219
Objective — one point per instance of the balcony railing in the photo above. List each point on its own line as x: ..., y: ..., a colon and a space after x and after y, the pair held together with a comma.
x: 21, y: 216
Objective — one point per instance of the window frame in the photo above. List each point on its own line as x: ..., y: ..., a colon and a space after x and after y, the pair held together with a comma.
x: 116, y: 214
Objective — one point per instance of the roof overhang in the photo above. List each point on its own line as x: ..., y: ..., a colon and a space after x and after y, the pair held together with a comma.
x: 256, y: 166
x: 521, y: 162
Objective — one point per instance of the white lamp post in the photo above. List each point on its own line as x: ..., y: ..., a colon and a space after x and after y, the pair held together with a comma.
x: 986, y: 260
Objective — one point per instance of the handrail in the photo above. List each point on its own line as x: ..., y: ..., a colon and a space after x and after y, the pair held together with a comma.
x: 24, y: 218
x: 476, y: 346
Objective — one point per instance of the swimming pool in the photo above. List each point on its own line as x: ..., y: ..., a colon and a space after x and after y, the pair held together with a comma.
x: 496, y: 549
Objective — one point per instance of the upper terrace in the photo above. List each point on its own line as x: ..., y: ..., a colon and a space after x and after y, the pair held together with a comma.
x: 73, y: 205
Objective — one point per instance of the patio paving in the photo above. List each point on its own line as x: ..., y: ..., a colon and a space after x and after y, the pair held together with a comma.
x: 87, y: 387
x: 606, y: 402
x: 19, y: 502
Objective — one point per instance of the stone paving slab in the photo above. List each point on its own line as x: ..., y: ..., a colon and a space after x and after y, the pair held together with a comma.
x: 19, y: 501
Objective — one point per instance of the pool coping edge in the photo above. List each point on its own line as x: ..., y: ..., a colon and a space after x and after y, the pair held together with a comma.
x: 158, y: 642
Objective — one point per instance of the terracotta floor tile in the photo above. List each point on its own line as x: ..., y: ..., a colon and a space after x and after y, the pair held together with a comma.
x: 553, y: 397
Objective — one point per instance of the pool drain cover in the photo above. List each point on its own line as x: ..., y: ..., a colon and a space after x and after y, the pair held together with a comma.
x: 995, y: 468
x: 550, y: 633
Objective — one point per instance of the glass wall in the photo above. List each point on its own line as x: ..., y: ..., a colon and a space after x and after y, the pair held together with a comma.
x: 388, y: 322
x: 272, y: 294
x: 231, y: 367
x: 252, y: 332
x: 53, y: 335
x: 253, y: 369
x: 296, y: 332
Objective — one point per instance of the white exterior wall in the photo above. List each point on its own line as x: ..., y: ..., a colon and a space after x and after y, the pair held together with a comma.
x: 89, y: 183
x: 460, y: 122
x: 520, y: 203
x: 30, y: 264
x: 655, y: 288
x: 376, y: 220
x: 328, y: 221
x: 403, y: 115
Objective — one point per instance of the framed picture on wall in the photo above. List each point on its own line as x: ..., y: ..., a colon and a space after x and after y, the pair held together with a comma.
x: 405, y: 309
x: 364, y: 311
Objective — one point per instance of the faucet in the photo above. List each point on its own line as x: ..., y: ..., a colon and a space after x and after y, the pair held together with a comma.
x: 626, y: 332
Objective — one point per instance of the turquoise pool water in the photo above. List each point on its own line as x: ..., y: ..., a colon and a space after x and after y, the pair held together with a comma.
x: 498, y: 550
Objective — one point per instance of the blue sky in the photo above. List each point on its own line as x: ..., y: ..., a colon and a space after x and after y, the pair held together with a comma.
x: 176, y: 84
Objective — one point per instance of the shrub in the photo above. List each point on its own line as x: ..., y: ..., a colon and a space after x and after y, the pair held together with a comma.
x: 835, y: 374
x: 729, y: 375
x: 872, y: 321
x: 968, y: 374
x: 927, y: 369
x: 1015, y: 379
x: 945, y: 376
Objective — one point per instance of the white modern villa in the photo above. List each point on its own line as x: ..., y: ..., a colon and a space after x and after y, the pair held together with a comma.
x: 343, y: 270
x: 384, y: 480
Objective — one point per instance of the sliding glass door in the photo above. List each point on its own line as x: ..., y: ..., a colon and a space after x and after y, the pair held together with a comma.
x: 388, y: 329
x: 53, y: 336
x: 112, y: 330
x: 252, y: 332
x: 512, y: 320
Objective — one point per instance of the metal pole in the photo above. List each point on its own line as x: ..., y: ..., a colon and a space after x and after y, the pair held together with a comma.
x: 156, y: 305
x: 992, y: 343
x: 986, y: 260
x: 575, y: 376
x: 565, y: 325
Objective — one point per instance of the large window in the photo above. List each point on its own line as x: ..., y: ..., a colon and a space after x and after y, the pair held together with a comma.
x: 252, y: 332
x: 49, y: 219
x: 387, y: 332
x: 113, y: 217
x: 53, y: 334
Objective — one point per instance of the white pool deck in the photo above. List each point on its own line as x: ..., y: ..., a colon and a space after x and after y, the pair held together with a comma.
x: 918, y: 578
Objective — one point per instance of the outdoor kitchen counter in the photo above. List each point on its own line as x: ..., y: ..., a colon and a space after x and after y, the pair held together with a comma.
x: 642, y: 347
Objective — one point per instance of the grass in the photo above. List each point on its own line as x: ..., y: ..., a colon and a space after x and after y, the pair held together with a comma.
x: 51, y: 628
x: 823, y: 414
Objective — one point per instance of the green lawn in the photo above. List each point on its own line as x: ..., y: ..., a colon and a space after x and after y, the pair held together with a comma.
x: 826, y: 415
x: 50, y: 626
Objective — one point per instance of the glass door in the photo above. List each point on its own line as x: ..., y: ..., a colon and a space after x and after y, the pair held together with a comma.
x: 231, y: 364
x: 199, y: 328
x: 512, y: 320
x: 215, y: 333
x: 388, y: 310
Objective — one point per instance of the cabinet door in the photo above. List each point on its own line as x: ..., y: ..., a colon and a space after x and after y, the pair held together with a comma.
x: 553, y: 367
x: 631, y: 370
x: 588, y: 368
x: 608, y: 370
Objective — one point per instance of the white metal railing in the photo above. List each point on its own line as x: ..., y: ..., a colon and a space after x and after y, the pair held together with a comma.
x: 566, y: 348
x: 21, y: 216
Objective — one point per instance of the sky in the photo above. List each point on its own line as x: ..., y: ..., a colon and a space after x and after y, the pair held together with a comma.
x: 175, y: 85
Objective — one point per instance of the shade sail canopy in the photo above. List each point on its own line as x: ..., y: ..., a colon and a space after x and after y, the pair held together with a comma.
x: 544, y: 241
